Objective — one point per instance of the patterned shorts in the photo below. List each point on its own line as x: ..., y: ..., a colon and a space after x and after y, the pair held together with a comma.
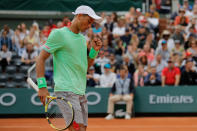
x: 79, y: 103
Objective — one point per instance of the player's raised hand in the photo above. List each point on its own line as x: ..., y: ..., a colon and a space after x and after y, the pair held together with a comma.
x: 97, y: 43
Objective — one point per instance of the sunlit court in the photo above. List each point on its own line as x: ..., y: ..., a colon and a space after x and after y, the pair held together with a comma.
x: 100, y: 124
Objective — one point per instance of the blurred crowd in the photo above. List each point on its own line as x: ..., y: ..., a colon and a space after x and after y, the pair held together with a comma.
x: 151, y: 55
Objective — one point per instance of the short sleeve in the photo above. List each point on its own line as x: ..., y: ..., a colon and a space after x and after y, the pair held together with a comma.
x: 54, y: 41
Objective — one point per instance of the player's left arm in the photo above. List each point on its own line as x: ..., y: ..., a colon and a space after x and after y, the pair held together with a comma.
x: 96, y: 45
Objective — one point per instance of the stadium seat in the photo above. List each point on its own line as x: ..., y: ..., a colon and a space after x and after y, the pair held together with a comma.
x: 15, y: 55
x: 10, y: 84
x: 24, y: 85
x: 11, y: 69
x: 18, y: 78
x: 17, y: 62
x: 23, y: 69
x: 3, y: 77
x: 2, y: 84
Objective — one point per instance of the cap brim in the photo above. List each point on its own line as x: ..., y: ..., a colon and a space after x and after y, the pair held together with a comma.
x: 73, y: 13
x: 96, y: 17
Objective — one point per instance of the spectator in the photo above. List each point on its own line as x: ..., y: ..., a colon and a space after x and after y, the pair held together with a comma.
x: 108, y: 78
x: 114, y: 17
x: 142, y: 34
x: 132, y: 52
x: 113, y: 62
x: 106, y: 47
x: 152, y: 12
x: 103, y: 19
x: 10, y: 32
x: 139, y: 76
x: 166, y: 37
x: 143, y: 60
x: 130, y: 16
x: 194, y: 13
x: 119, y: 30
x: 150, y: 40
x: 127, y: 37
x: 178, y: 35
x: 153, y: 78
x: 181, y: 19
x: 122, y: 89
x: 148, y: 52
x: 170, y: 74
x: 188, y: 56
x: 32, y: 38
x: 92, y: 78
x: 66, y: 21
x: 191, y: 29
x: 109, y: 25
x: 129, y: 64
x: 159, y: 63
x: 193, y: 48
x: 178, y: 49
x: 100, y: 62
x: 189, y: 75
x: 4, y: 39
x: 22, y: 48
x: 16, y: 40
x: 186, y: 5
x: 120, y: 48
x: 36, y: 29
x: 97, y: 29
x: 23, y: 31
x: 29, y: 55
x: 5, y: 57
x: 134, y: 25
x: 104, y: 34
x: 164, y: 51
x: 46, y: 31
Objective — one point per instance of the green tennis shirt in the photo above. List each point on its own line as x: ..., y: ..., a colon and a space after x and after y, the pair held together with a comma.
x: 69, y: 52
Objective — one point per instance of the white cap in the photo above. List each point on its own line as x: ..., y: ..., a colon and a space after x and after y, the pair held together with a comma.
x: 83, y: 9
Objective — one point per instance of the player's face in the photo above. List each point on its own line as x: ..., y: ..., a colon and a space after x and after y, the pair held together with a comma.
x: 85, y: 22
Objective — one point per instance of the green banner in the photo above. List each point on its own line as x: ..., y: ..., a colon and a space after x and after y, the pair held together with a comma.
x: 69, y: 5
x: 166, y: 99
x: 147, y: 100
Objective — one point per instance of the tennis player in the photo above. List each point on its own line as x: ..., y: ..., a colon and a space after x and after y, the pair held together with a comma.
x: 70, y: 62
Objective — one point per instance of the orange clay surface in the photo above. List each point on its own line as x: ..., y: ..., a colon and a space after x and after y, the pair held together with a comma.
x: 100, y: 124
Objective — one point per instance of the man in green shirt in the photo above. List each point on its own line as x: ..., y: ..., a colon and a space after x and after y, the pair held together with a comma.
x: 71, y: 61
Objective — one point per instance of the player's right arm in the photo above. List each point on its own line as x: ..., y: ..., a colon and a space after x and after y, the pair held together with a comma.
x: 53, y: 43
x: 40, y: 71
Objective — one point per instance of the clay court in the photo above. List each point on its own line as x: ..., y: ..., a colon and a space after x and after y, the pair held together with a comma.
x: 100, y: 124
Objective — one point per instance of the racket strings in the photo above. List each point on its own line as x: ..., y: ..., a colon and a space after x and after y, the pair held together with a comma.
x: 60, y: 113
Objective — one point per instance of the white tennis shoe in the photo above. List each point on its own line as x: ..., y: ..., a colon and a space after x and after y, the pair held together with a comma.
x: 109, y: 117
x: 127, y: 116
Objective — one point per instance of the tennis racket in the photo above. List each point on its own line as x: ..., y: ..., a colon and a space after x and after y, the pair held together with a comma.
x: 59, y: 112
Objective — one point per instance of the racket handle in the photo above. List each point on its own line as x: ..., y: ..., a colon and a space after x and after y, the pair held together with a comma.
x: 31, y: 82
